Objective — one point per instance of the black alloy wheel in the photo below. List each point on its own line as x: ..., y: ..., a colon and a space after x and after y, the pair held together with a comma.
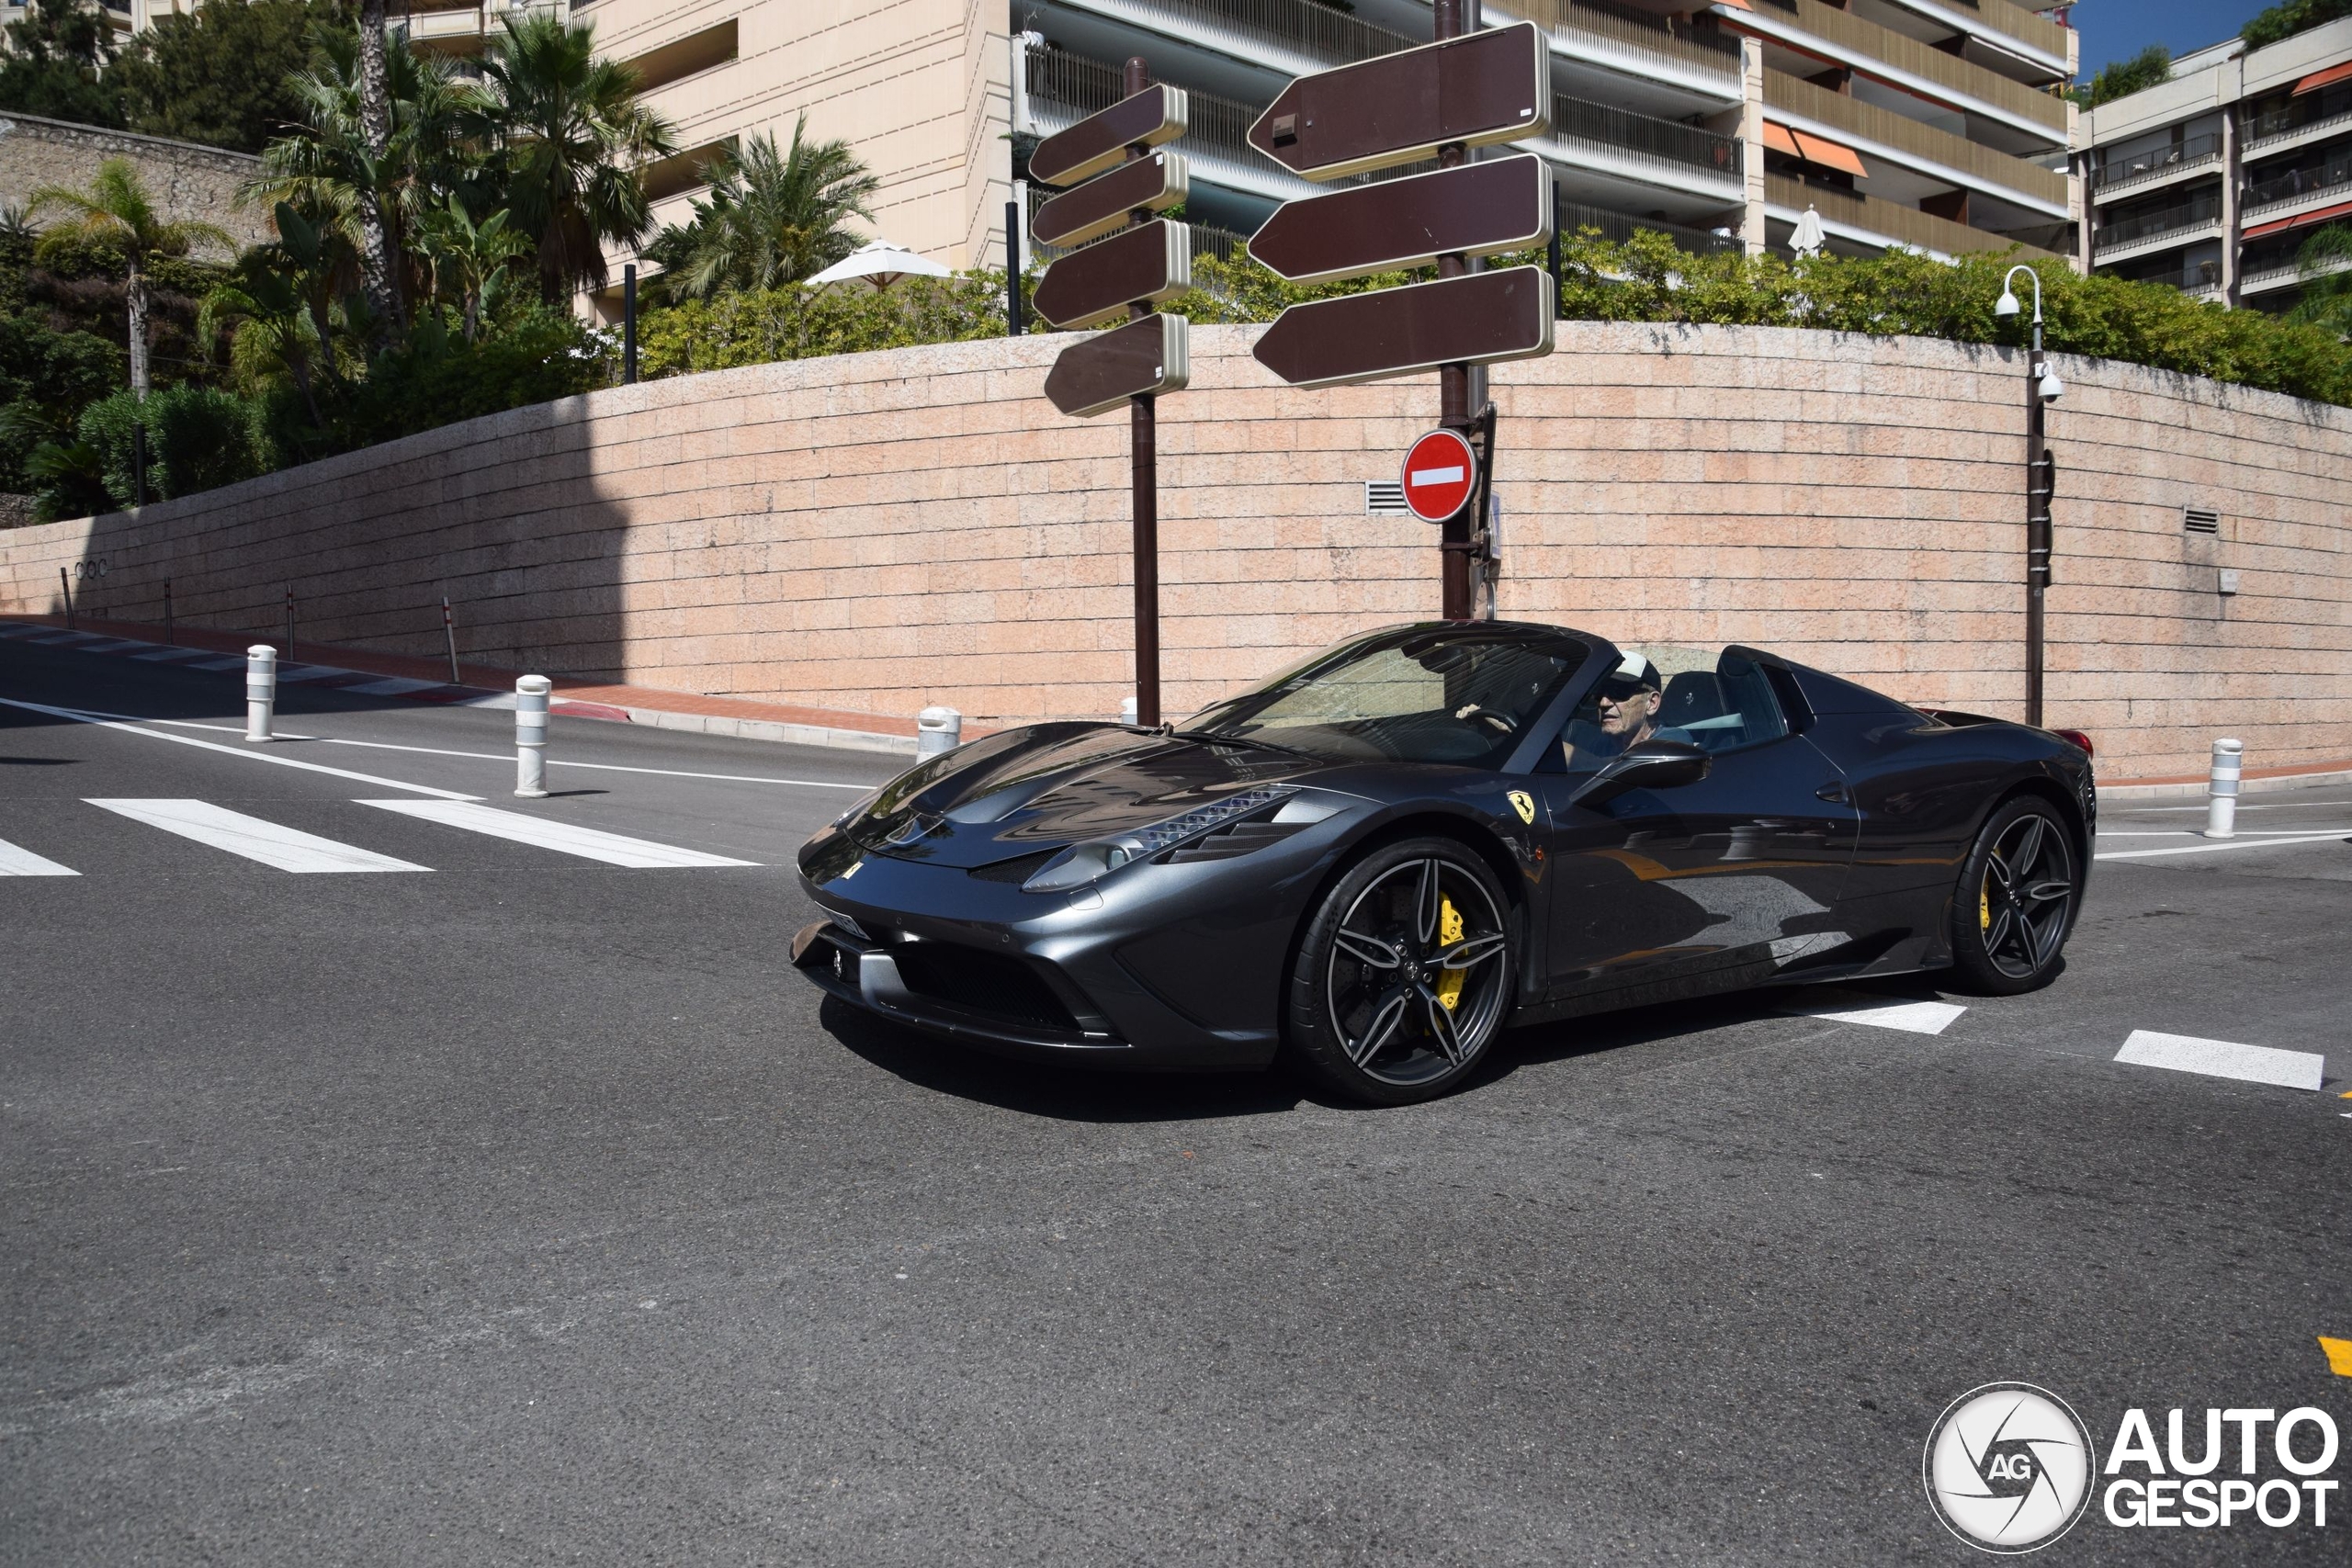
x: 1404, y: 976
x: 2020, y: 891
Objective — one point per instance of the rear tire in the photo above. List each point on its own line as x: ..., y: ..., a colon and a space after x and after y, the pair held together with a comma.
x: 2020, y: 891
x: 1376, y: 1014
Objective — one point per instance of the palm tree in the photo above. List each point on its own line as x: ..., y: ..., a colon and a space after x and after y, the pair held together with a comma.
x: 574, y: 140
x: 2324, y: 263
x: 325, y: 172
x: 380, y: 249
x: 117, y: 211
x: 772, y: 218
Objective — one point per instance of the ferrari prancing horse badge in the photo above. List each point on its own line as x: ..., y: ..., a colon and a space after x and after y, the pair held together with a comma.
x: 1524, y: 803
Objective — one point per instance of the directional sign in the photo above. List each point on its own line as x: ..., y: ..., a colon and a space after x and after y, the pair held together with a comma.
x: 1156, y: 114
x: 1096, y: 208
x: 1144, y: 266
x: 1440, y: 472
x: 1141, y: 359
x: 1477, y: 319
x: 1398, y: 108
x: 1478, y: 209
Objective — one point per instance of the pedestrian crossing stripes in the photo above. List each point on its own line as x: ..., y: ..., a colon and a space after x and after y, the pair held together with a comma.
x: 15, y: 861
x: 288, y: 849
x: 590, y: 843
x: 291, y: 850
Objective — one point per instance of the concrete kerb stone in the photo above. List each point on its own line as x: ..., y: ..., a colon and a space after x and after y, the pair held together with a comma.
x: 766, y: 729
x: 2185, y: 789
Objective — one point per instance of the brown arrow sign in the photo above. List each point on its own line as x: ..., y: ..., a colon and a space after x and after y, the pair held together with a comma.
x: 1096, y: 208
x: 1478, y: 209
x: 1477, y: 319
x: 1141, y: 359
x: 1147, y: 264
x: 1156, y: 114
x: 1485, y: 88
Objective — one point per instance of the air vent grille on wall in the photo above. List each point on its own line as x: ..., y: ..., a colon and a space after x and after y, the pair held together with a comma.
x: 2201, y: 520
x: 1385, y: 498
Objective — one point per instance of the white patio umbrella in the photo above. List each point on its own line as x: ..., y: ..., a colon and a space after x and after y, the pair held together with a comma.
x: 1809, y: 239
x: 881, y: 263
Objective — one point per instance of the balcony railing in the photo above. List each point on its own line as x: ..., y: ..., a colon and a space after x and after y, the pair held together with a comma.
x: 1666, y: 37
x: 1575, y: 217
x: 1854, y: 40
x: 2197, y: 277
x: 1906, y: 135
x: 1083, y: 86
x: 2296, y: 183
x: 2017, y: 22
x: 1300, y: 25
x: 2186, y: 217
x: 1904, y: 225
x: 2302, y: 114
x: 2163, y: 159
x: 1667, y: 141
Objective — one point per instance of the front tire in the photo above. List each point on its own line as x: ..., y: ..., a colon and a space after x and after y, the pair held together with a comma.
x: 2020, y: 891
x: 1403, y: 977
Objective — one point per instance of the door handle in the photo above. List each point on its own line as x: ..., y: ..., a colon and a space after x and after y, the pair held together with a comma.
x: 1834, y: 792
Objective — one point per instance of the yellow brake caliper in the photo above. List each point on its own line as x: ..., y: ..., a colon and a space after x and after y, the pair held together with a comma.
x: 1449, y: 931
x: 1984, y: 903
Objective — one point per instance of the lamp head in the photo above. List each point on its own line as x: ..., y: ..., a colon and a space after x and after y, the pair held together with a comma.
x: 2006, y: 307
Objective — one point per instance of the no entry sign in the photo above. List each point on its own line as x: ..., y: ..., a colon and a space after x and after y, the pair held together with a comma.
x: 1440, y: 472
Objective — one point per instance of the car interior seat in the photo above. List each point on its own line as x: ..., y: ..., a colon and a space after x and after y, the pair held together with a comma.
x: 1694, y: 701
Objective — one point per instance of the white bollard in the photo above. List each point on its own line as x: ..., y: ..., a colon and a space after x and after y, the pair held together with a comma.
x: 261, y: 690
x: 2222, y: 807
x: 936, y: 731
x: 1127, y: 709
x: 531, y: 737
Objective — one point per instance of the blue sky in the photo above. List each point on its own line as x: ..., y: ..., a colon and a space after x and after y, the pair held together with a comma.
x: 2117, y: 30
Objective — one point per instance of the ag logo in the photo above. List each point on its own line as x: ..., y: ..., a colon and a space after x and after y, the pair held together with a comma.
x: 1524, y: 803
x: 2008, y: 1468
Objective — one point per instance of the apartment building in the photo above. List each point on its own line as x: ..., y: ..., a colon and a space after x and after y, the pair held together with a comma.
x: 1938, y: 125
x: 2212, y: 181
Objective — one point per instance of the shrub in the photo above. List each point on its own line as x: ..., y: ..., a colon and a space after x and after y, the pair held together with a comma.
x: 795, y: 321
x: 197, y: 438
x: 2289, y: 17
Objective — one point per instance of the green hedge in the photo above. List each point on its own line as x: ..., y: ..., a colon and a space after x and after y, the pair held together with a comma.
x: 1643, y: 279
x: 197, y: 438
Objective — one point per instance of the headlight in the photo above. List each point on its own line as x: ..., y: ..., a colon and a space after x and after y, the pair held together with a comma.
x: 1082, y: 863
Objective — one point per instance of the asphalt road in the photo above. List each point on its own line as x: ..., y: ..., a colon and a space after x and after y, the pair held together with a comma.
x: 526, y: 1209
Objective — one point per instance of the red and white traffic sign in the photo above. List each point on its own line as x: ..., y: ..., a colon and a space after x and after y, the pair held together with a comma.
x: 1440, y: 472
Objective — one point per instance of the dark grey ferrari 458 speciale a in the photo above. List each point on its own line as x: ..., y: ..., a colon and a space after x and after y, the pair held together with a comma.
x: 1388, y: 854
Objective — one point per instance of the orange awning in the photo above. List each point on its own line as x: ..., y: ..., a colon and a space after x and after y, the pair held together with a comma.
x: 1737, y: 4
x: 1830, y: 154
x: 2299, y: 221
x: 2328, y: 78
x: 1779, y: 139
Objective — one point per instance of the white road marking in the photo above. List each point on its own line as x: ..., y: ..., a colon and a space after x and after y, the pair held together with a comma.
x: 1912, y: 1018
x: 251, y: 753
x: 508, y: 757
x: 589, y: 843
x: 2220, y: 844
x: 2193, y: 833
x: 161, y: 655
x: 2225, y: 1059
x: 2243, y: 806
x: 303, y: 673
x: 227, y: 661
x: 288, y: 849
x: 15, y: 861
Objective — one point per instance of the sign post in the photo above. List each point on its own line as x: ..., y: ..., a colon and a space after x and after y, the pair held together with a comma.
x: 1135, y: 262
x: 1466, y: 89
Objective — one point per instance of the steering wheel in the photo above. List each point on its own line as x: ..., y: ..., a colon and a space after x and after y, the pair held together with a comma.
x: 1502, y: 722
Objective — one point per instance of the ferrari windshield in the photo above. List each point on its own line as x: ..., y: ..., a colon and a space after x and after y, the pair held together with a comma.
x: 1461, y: 695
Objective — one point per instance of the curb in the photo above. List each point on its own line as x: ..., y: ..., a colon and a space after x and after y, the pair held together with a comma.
x: 2189, y: 789
x: 331, y: 677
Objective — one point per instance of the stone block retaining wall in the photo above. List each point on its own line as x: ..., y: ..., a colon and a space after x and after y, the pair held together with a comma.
x: 879, y: 532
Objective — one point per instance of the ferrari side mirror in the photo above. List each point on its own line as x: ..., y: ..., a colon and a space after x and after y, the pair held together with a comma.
x: 1653, y: 764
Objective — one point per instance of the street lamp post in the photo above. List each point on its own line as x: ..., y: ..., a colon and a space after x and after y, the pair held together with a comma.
x: 2043, y: 389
